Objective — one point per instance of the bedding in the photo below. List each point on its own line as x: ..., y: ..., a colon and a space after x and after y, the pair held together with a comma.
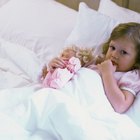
x: 31, y: 33
x: 61, y: 113
x: 42, y: 27
x: 111, y: 9
x: 87, y: 33
x: 2, y: 2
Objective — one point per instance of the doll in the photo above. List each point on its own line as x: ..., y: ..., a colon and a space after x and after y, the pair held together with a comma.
x: 74, y: 58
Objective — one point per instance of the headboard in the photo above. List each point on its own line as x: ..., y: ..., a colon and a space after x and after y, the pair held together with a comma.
x: 130, y: 4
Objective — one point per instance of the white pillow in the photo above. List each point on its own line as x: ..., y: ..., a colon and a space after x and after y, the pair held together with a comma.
x: 92, y: 28
x: 34, y: 23
x: 36, y: 17
x: 2, y: 2
x: 20, y: 61
x: 111, y: 9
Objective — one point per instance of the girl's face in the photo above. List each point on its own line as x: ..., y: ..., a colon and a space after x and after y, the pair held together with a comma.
x: 122, y: 53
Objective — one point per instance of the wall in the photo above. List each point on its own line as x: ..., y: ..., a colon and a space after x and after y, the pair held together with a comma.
x: 131, y: 4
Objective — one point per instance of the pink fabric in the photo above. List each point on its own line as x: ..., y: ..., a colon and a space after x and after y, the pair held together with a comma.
x: 126, y: 80
x: 59, y: 77
x: 129, y: 81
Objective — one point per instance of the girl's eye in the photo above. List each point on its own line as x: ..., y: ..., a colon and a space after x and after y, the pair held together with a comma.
x: 123, y: 52
x: 112, y: 48
x: 62, y: 55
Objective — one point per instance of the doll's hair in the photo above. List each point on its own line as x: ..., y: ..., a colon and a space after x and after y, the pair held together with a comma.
x: 85, y: 55
x: 129, y: 30
x: 72, y: 48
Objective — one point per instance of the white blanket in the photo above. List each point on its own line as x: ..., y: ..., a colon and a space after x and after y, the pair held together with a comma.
x: 78, y: 111
x: 18, y: 66
x: 81, y: 111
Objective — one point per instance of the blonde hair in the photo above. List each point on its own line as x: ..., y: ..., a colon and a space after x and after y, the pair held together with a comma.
x: 85, y: 55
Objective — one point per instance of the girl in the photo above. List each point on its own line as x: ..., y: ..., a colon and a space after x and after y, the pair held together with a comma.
x: 120, y: 67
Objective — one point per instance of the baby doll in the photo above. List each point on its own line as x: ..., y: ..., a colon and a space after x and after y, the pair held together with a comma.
x: 74, y: 58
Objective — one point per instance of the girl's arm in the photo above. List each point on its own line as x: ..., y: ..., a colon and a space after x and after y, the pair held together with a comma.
x: 120, y: 100
x: 57, y: 62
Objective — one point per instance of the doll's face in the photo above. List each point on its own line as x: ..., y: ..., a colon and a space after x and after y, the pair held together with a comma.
x: 68, y: 53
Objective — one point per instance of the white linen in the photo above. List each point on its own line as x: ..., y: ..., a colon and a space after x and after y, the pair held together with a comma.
x: 10, y: 130
x: 2, y: 2
x: 78, y: 111
x: 19, y: 66
x: 40, y: 25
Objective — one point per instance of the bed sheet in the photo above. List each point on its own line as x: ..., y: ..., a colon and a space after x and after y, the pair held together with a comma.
x: 19, y: 68
x: 70, y: 113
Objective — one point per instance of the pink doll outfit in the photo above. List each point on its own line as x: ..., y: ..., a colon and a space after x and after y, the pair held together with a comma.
x: 59, y: 77
x: 129, y: 81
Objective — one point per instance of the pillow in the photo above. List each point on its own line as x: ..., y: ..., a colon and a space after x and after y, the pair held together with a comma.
x: 111, y: 9
x: 34, y: 23
x: 20, y: 61
x: 2, y: 2
x: 92, y: 28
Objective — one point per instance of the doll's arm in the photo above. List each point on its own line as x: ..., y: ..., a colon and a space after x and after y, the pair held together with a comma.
x: 44, y: 72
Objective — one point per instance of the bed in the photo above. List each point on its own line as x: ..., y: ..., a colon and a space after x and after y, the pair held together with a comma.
x: 32, y: 32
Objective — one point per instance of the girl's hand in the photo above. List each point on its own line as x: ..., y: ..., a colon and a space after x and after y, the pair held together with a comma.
x: 57, y: 63
x: 106, y: 67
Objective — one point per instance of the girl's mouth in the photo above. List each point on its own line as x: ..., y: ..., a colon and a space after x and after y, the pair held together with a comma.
x: 114, y: 63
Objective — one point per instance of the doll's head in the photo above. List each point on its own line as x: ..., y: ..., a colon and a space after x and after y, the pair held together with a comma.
x: 69, y: 52
x: 85, y: 55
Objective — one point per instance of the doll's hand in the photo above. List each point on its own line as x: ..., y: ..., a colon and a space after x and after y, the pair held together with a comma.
x: 44, y: 72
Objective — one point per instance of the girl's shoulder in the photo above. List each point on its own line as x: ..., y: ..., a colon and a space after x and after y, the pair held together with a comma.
x: 133, y: 75
x: 130, y: 80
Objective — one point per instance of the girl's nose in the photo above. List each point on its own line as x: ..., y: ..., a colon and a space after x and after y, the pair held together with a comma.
x: 115, y: 55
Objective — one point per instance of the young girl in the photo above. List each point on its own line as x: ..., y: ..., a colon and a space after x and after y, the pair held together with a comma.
x: 73, y: 58
x: 120, y: 67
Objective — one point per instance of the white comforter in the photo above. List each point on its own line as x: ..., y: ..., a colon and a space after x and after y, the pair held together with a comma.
x: 79, y: 111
